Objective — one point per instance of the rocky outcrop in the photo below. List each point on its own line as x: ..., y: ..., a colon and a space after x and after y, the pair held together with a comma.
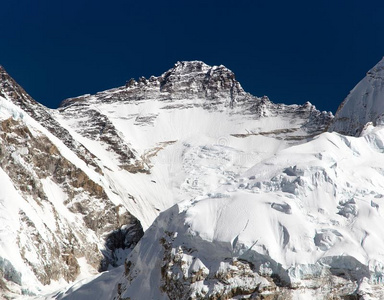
x: 94, y: 125
x: 119, y: 243
x: 13, y: 92
x: 186, y: 80
x: 197, y: 80
x: 182, y: 272
x: 28, y: 159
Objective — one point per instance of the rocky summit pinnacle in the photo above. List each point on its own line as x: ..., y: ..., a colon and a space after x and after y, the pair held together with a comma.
x: 185, y: 80
x: 11, y: 89
x: 196, y: 79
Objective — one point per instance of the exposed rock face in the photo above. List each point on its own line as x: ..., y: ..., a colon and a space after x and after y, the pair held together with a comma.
x: 96, y: 126
x: 120, y: 243
x: 198, y: 80
x: 181, y: 271
x: 24, y: 159
x: 65, y: 217
x: 363, y: 105
x: 186, y: 80
x: 12, y: 91
x: 28, y: 159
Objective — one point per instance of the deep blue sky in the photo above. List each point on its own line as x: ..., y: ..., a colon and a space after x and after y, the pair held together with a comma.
x: 291, y: 51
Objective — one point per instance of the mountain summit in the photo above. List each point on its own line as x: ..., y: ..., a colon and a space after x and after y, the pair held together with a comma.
x: 186, y: 80
x: 196, y: 79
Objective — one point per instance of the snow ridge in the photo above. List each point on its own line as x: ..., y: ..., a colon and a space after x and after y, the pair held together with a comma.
x: 363, y: 106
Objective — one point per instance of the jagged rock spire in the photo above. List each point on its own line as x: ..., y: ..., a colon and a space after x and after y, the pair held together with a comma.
x: 195, y: 78
x: 12, y: 90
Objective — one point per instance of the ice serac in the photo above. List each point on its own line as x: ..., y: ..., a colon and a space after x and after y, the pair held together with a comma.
x: 363, y: 106
x: 304, y: 224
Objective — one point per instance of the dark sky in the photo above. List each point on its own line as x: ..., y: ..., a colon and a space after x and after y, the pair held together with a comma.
x: 291, y: 51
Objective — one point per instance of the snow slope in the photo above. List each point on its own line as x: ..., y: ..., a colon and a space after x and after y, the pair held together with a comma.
x: 307, y: 220
x: 305, y: 224
x: 364, y: 104
x: 188, y: 129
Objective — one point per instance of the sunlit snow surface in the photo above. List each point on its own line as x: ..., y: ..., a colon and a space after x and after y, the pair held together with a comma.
x: 364, y: 104
x: 310, y: 207
x: 190, y: 149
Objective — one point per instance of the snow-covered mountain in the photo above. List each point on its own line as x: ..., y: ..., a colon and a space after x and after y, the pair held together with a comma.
x: 302, y: 220
x: 180, y: 134
x: 238, y: 196
x: 363, y: 106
